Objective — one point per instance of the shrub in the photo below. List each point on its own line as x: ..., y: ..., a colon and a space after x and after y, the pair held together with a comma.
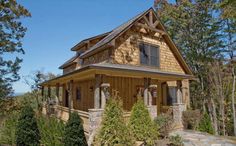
x: 51, y: 130
x: 27, y: 132
x: 113, y: 128
x: 74, y: 131
x: 8, y: 130
x: 205, y: 124
x: 191, y: 119
x: 164, y: 122
x: 141, y: 124
x: 176, y: 140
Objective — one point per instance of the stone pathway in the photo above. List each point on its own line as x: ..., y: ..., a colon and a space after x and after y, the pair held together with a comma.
x: 194, y: 138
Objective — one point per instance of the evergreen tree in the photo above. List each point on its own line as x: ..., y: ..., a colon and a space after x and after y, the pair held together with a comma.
x: 74, y: 131
x: 27, y: 132
x: 11, y: 33
x: 113, y: 128
x: 142, y: 125
x: 205, y: 124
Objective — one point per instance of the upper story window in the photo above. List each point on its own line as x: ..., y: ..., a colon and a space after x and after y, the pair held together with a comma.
x: 149, y: 55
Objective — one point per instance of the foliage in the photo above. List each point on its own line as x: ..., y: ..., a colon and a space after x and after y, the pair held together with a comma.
x: 176, y: 140
x: 8, y: 128
x: 205, y: 124
x: 228, y: 8
x: 165, y: 123
x: 27, y: 132
x: 51, y: 130
x: 141, y: 124
x: 113, y: 128
x: 191, y: 119
x: 11, y: 33
x: 74, y: 131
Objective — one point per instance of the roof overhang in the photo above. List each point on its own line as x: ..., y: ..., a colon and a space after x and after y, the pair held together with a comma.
x: 89, y: 72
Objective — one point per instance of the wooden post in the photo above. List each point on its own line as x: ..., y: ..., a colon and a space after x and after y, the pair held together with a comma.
x: 179, y: 91
x: 104, y: 94
x: 42, y: 91
x: 49, y: 92
x: 159, y: 96
x: 57, y: 92
x: 146, y: 86
x: 70, y: 95
x: 97, y: 91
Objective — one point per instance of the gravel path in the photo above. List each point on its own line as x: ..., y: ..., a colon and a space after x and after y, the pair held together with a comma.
x: 194, y: 138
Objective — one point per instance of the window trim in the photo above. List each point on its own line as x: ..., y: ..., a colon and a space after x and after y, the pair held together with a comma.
x: 149, y: 61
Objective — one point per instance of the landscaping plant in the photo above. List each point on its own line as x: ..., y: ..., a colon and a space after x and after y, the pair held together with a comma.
x: 113, y: 128
x: 205, y: 124
x: 51, y: 130
x: 27, y: 132
x: 74, y: 131
x: 142, y: 125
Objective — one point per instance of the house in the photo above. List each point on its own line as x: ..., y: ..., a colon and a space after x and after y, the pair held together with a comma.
x: 138, y: 58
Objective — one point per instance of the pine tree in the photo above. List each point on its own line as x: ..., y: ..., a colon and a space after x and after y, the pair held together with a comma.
x: 141, y: 124
x: 27, y: 132
x: 74, y: 131
x: 113, y: 128
x: 205, y: 124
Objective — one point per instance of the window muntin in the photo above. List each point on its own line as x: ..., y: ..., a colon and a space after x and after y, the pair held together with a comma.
x: 149, y: 55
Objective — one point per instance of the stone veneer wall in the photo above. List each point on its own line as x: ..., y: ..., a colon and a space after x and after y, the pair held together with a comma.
x: 96, y: 58
x: 127, y: 51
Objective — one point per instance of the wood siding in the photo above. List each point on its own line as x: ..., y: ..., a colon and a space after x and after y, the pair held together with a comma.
x: 127, y: 51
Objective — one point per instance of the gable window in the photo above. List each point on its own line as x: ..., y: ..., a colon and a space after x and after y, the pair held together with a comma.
x: 78, y: 93
x: 149, y: 55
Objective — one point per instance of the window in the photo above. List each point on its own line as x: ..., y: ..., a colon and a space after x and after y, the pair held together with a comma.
x: 149, y: 55
x: 78, y: 93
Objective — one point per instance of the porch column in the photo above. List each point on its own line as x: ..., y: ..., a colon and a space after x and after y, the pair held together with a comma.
x: 105, y: 87
x: 150, y: 96
x: 49, y: 92
x: 97, y: 91
x: 57, y: 93
x: 179, y: 92
x: 70, y: 86
x: 146, y: 86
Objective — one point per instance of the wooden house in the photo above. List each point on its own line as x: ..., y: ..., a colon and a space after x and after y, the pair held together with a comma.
x: 138, y: 58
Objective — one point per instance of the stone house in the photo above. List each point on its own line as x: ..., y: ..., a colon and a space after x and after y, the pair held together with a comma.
x: 138, y: 58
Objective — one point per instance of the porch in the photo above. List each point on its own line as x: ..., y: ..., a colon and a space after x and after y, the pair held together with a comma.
x: 86, y: 93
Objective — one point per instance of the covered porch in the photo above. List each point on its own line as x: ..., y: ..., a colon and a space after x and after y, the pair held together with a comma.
x: 86, y: 91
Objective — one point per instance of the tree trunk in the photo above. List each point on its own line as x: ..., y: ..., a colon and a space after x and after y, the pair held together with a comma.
x: 233, y: 107
x: 214, y: 117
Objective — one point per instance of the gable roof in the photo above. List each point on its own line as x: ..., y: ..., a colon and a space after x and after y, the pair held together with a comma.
x: 115, y: 33
x: 122, y: 28
x: 68, y: 62
x: 88, y: 39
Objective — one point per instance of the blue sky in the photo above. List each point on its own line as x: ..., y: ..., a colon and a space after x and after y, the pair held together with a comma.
x: 57, y: 25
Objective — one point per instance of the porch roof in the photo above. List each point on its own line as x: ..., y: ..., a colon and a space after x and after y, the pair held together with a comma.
x: 117, y: 70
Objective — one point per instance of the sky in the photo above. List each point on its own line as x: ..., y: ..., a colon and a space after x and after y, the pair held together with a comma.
x: 57, y: 25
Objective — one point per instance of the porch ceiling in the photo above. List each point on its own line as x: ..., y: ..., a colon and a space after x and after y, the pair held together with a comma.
x: 88, y: 72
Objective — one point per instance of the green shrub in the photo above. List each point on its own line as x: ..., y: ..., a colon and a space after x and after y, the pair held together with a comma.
x: 176, y: 140
x: 205, y: 124
x: 8, y: 130
x: 74, y: 131
x: 164, y: 122
x: 191, y: 119
x: 113, y: 128
x: 51, y: 130
x: 27, y: 132
x: 141, y: 124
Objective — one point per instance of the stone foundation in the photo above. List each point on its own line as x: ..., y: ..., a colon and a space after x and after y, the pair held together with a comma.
x: 95, y: 118
x: 178, y: 109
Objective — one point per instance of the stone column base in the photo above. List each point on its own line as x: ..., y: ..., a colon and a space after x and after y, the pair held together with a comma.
x: 95, y: 118
x: 152, y: 110
x: 178, y: 109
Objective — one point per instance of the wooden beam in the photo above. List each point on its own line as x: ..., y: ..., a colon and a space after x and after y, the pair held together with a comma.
x: 146, y: 20
x: 155, y: 24
x: 150, y: 18
x: 151, y: 28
